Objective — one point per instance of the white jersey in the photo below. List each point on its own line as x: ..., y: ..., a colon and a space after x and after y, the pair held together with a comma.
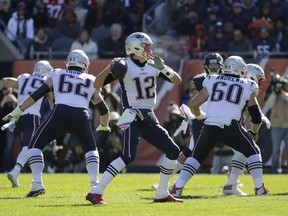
x: 72, y: 88
x: 227, y: 98
x: 139, y: 86
x: 27, y: 84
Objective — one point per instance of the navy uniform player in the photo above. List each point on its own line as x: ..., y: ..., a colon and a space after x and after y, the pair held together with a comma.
x: 213, y: 64
x: 73, y: 89
x: 227, y: 95
x: 138, y: 100
x: 29, y: 120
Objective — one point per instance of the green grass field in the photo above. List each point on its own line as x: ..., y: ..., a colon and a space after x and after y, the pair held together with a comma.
x: 131, y: 194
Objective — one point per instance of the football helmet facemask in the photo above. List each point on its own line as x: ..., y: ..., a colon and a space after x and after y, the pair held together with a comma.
x: 78, y: 58
x: 235, y: 65
x: 139, y: 44
x: 256, y: 73
x: 213, y: 63
x: 42, y: 67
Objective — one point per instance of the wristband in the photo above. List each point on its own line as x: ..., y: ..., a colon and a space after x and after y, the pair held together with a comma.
x: 168, y: 72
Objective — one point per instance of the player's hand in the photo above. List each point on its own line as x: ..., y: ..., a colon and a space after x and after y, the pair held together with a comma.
x: 266, y: 121
x: 103, y: 128
x: 201, y: 115
x: 14, y: 114
x: 157, y: 62
x: 182, y: 127
x: 254, y: 136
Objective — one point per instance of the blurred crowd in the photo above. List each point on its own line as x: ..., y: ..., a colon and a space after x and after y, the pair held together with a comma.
x: 253, y: 28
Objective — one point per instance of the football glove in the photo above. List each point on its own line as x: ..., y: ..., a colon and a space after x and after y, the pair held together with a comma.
x: 266, y: 121
x: 157, y: 62
x: 14, y: 114
x: 254, y: 136
x: 186, y: 112
x: 10, y: 125
x: 103, y: 128
x: 182, y: 127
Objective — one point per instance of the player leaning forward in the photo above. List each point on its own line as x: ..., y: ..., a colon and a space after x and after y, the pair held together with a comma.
x: 227, y: 95
x: 73, y: 89
x: 138, y: 87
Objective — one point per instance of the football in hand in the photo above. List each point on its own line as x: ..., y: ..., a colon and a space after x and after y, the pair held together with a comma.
x: 119, y: 69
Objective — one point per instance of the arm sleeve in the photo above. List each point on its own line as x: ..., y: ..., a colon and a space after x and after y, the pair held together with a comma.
x: 255, y: 114
x: 40, y: 92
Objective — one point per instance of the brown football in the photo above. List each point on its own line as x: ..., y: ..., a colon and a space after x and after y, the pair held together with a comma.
x: 119, y: 69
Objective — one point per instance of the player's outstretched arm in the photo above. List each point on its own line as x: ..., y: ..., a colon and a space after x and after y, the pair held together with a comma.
x: 100, y: 78
x: 255, y: 113
x: 8, y: 82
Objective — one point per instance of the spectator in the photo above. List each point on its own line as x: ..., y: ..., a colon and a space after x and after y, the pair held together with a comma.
x: 279, y: 8
x: 40, y: 15
x: 114, y: 45
x: 281, y: 33
x: 238, y: 16
x: 251, y: 9
x: 68, y: 25
x: 109, y: 144
x: 8, y: 103
x: 198, y: 41
x: 5, y: 12
x: 239, y: 44
x: 55, y: 9
x: 186, y: 26
x: 84, y: 42
x: 188, y: 93
x: 113, y: 12
x: 80, y: 12
x: 20, y: 29
x: 212, y: 20
x: 264, y: 44
x: 278, y: 102
x: 173, y: 121
x: 134, y: 11
x: 95, y: 16
x: 218, y: 41
x: 179, y: 12
x: 41, y: 43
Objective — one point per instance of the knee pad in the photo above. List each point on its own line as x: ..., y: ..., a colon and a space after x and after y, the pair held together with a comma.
x: 126, y: 159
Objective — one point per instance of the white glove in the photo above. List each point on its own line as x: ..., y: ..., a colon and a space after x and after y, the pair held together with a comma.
x: 186, y: 112
x: 266, y: 121
x: 103, y: 128
x: 201, y: 115
x: 14, y: 114
x: 10, y: 125
x: 182, y: 127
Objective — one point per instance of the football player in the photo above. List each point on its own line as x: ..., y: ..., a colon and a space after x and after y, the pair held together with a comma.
x: 29, y: 120
x: 227, y: 95
x: 255, y: 73
x: 138, y: 87
x: 213, y: 64
x: 73, y: 89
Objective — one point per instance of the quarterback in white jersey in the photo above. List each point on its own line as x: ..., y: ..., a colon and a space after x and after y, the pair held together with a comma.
x: 227, y: 95
x: 138, y: 85
x: 73, y: 89
x: 30, y: 119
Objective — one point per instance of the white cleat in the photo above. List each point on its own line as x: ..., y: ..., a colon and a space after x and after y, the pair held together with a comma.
x: 232, y: 190
x: 13, y: 177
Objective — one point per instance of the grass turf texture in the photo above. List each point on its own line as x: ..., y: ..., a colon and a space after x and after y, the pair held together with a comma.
x: 131, y: 194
